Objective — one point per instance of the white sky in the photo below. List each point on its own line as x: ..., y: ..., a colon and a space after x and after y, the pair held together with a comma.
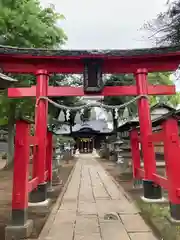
x: 106, y: 24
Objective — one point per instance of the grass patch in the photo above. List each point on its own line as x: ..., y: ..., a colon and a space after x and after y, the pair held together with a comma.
x: 156, y: 215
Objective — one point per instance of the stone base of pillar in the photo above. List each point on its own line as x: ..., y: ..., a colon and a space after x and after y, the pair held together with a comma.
x: 19, y: 217
x: 19, y: 231
x: 40, y: 207
x: 151, y: 190
x: 160, y: 200
x: 173, y: 221
x: 174, y: 212
x: 39, y: 194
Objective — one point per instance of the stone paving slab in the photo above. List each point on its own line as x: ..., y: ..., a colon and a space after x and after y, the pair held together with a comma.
x: 92, y: 194
x: 85, y: 208
x: 113, y: 231
x: 138, y: 223
x: 86, y: 225
x: 63, y: 231
x: 119, y: 206
x: 142, y: 235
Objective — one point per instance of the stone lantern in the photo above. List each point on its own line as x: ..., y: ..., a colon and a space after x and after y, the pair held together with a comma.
x: 118, y: 150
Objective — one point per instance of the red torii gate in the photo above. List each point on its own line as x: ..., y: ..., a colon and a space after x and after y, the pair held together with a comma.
x: 43, y: 62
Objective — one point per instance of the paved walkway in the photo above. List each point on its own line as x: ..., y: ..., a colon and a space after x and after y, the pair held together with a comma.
x: 91, y: 195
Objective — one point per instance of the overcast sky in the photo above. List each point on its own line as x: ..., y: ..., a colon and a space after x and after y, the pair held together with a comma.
x: 106, y: 24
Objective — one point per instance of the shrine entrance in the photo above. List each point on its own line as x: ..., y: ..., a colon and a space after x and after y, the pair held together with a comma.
x: 88, y: 139
x: 85, y: 145
x: 92, y: 64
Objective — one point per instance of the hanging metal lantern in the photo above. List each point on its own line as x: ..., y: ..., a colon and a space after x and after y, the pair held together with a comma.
x: 92, y: 75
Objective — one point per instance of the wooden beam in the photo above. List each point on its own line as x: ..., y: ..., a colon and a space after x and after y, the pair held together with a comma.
x: 79, y: 91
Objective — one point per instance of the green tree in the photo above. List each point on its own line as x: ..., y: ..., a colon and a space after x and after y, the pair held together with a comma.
x: 163, y: 79
x: 165, y: 29
x: 128, y: 79
x: 24, y: 23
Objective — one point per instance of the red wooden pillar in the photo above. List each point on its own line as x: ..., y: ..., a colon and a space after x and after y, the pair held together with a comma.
x: 171, y: 155
x: 21, y: 174
x: 49, y: 157
x: 41, y: 117
x: 136, y: 162
x: 151, y: 190
x: 34, y: 161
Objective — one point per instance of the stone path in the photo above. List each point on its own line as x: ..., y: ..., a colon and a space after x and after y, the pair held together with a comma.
x: 90, y: 196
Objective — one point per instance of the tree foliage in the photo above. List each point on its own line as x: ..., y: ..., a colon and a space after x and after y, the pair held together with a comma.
x: 165, y: 29
x: 24, y: 23
x: 128, y: 79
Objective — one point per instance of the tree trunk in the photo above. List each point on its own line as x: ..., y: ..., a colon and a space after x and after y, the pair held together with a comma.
x: 11, y: 132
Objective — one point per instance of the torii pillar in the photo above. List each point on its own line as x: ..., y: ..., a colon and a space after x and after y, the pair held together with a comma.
x: 151, y: 190
x: 41, y: 114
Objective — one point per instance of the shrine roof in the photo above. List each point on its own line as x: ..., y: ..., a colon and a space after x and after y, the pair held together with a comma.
x: 162, y: 105
x: 9, y: 50
x: 156, y: 120
x: 92, y: 126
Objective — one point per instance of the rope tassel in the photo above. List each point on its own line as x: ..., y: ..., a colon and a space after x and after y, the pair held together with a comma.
x: 61, y: 116
x: 77, y: 118
x: 109, y: 117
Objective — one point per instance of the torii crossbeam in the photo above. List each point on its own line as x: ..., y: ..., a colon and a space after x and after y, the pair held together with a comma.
x: 17, y: 60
